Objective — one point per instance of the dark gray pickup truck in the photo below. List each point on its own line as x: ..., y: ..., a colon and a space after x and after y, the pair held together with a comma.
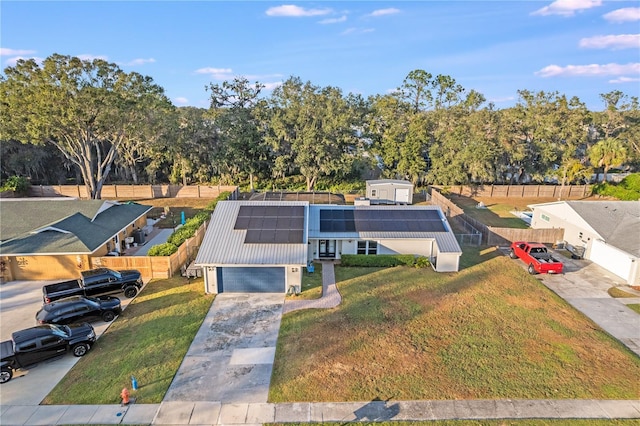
x: 95, y: 282
x: 32, y: 345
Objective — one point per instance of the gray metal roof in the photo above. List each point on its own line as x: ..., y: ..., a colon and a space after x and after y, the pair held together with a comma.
x: 446, y: 241
x: 63, y: 227
x: 224, y: 245
x: 389, y: 181
x: 617, y: 222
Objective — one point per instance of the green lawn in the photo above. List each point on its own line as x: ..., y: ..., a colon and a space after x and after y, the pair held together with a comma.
x: 498, y: 210
x: 400, y: 333
x: 311, y: 284
x: 489, y: 331
x: 149, y: 341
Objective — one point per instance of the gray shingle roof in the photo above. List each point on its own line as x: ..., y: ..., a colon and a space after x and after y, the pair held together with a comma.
x: 617, y: 222
x: 62, y: 227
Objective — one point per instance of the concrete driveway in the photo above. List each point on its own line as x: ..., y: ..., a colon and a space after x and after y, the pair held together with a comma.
x: 584, y: 285
x: 19, y: 302
x: 231, y: 357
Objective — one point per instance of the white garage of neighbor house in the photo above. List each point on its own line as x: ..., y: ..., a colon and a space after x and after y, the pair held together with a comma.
x: 389, y: 191
x: 609, y: 232
x: 262, y: 246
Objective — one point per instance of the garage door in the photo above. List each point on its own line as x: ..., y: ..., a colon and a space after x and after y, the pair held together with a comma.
x: 611, y: 259
x: 251, y: 280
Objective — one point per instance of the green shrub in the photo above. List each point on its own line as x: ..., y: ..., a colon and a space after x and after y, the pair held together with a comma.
x: 422, y: 262
x: 631, y: 182
x: 16, y: 184
x: 164, y: 249
x: 181, y: 234
x: 187, y: 230
x: 382, y: 260
x: 627, y: 190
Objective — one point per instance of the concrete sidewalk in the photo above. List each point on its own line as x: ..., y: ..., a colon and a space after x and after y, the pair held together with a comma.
x: 215, y: 413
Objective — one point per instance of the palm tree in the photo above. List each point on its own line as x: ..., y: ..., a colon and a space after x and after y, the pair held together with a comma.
x: 607, y: 153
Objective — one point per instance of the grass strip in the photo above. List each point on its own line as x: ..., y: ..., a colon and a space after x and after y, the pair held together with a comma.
x: 148, y: 341
x: 619, y: 293
x: 501, y: 422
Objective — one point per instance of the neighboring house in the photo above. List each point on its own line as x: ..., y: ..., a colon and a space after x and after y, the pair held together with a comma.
x: 389, y: 191
x: 264, y: 246
x: 609, y: 232
x: 54, y: 238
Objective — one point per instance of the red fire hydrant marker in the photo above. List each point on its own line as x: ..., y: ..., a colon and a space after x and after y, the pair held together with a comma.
x: 125, y: 396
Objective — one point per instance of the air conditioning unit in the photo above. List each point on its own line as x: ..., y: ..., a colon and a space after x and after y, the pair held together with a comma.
x: 293, y: 289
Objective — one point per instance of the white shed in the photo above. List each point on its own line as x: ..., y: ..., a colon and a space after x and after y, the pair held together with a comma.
x: 389, y: 191
x: 609, y: 232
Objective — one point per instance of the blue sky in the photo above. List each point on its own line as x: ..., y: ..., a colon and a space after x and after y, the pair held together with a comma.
x: 577, y: 47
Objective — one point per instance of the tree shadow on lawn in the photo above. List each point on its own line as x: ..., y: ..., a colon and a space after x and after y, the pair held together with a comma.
x: 472, y: 256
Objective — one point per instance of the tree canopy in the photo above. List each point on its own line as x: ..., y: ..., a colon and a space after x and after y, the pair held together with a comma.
x: 106, y: 124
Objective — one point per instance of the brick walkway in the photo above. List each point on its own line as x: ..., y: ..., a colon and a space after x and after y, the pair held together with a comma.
x: 330, y: 296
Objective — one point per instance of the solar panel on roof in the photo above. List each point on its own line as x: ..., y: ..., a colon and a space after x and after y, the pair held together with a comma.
x: 252, y: 236
x: 271, y: 224
x: 242, y: 222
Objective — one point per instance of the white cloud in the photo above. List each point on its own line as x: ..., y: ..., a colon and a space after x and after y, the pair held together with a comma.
x: 181, y: 101
x: 567, y: 7
x: 354, y: 30
x: 343, y: 18
x: 623, y: 15
x: 11, y: 62
x: 503, y: 99
x: 624, y: 80
x: 592, y: 70
x: 615, y: 42
x: 291, y: 10
x: 270, y: 86
x: 384, y: 12
x: 4, y: 51
x: 217, y: 73
x: 139, y: 61
x: 88, y: 57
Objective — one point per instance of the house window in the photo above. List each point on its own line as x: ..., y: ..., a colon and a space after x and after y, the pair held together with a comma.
x: 367, y: 247
x: 362, y: 247
x: 373, y: 247
x: 373, y: 192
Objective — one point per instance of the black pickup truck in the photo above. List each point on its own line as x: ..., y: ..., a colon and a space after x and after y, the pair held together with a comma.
x: 33, y: 345
x: 95, y: 282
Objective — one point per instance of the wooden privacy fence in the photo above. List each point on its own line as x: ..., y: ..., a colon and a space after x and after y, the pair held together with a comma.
x: 519, y: 191
x: 135, y: 191
x: 494, y: 236
x: 156, y: 266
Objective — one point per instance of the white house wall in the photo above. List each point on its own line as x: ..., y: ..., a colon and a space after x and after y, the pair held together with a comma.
x: 293, y: 275
x: 576, y: 231
x: 447, y: 262
x: 613, y: 260
x: 419, y: 247
x: 348, y: 247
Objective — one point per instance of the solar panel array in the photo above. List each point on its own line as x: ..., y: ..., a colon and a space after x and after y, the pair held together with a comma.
x: 380, y: 220
x: 271, y: 224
